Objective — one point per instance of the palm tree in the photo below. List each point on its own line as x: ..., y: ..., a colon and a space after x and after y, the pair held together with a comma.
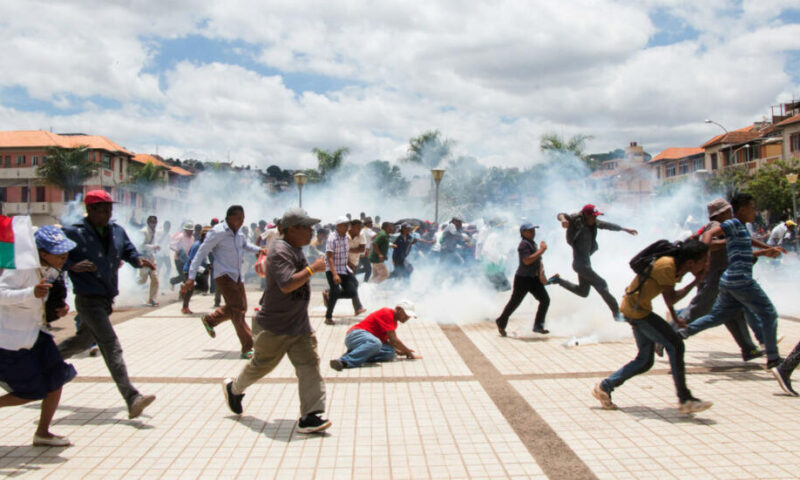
x: 329, y: 161
x: 428, y: 148
x: 553, y: 142
x: 67, y: 169
x: 149, y: 173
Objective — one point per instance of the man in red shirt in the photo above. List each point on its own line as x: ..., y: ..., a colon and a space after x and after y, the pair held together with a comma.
x: 374, y: 339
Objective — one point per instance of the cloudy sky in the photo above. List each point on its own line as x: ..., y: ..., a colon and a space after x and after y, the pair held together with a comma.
x: 263, y: 82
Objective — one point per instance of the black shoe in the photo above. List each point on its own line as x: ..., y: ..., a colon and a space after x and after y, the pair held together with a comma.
x: 540, y: 329
x: 234, y: 401
x: 774, y: 363
x: 500, y: 329
x: 337, y: 364
x: 553, y: 279
x: 754, y: 353
x: 659, y: 349
x: 328, y: 321
x: 313, y: 422
x: 783, y: 380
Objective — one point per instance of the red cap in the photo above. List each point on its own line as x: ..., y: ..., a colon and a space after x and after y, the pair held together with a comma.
x: 97, y: 196
x: 590, y: 209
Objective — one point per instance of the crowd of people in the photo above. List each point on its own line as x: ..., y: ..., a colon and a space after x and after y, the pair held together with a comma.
x: 283, y: 255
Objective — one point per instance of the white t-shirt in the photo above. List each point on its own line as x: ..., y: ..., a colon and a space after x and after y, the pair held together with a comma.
x: 361, y: 239
x: 369, y: 234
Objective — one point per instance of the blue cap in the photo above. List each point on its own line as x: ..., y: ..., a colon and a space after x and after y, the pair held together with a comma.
x: 527, y: 226
x: 52, y: 240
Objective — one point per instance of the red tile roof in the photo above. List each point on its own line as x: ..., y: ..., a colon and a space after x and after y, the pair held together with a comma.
x: 42, y: 138
x: 674, y: 153
x: 145, y: 158
x: 743, y: 135
x: 788, y: 121
x: 180, y: 171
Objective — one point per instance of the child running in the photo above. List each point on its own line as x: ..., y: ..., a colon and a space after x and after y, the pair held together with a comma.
x: 650, y: 329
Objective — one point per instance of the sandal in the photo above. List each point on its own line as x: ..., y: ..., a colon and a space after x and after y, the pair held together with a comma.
x: 247, y: 355
x: 209, y: 329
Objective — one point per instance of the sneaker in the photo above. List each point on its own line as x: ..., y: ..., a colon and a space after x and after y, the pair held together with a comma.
x: 774, y: 363
x: 783, y: 380
x: 360, y: 311
x: 138, y: 405
x: 186, y: 311
x: 618, y: 317
x: 694, y: 405
x: 337, y: 364
x: 684, y: 333
x: 752, y: 354
x: 326, y: 296
x: 234, y: 401
x: 604, y: 397
x: 54, y: 441
x: 247, y: 355
x: 540, y: 329
x: 659, y: 349
x: 328, y: 321
x: 553, y: 279
x: 312, y: 422
x: 209, y: 329
x: 94, y: 351
x: 152, y: 303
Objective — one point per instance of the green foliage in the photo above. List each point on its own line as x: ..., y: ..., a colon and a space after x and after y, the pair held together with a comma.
x: 556, y: 144
x: 328, y: 161
x: 428, y: 149
x: 387, y: 177
x: 772, y: 191
x: 67, y: 169
x: 728, y: 181
x: 147, y: 174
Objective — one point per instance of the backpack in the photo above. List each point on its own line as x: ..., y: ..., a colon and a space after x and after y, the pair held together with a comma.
x: 642, y: 262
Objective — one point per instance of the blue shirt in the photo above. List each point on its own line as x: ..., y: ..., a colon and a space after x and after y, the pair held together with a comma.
x: 91, y: 247
x: 740, y: 254
x: 192, y: 253
x: 402, y: 249
x: 228, y: 249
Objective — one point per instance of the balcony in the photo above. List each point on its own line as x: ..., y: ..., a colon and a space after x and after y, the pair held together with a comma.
x: 12, y: 173
x: 33, y: 208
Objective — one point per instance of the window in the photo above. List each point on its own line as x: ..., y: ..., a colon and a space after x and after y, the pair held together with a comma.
x: 8, y: 161
x: 698, y: 163
x: 713, y: 161
x: 670, y: 171
x: 106, y: 161
x: 94, y: 156
x: 658, y: 173
x: 20, y: 159
x: 794, y: 142
x: 40, y: 194
x: 44, y: 159
x: 2, y: 194
x: 683, y: 167
x: 34, y: 160
x: 24, y: 195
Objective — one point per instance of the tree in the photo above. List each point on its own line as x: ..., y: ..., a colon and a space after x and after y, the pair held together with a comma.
x: 772, y: 191
x: 328, y: 161
x: 728, y: 181
x: 147, y: 174
x: 387, y: 177
x: 428, y: 149
x: 67, y: 169
x: 575, y: 145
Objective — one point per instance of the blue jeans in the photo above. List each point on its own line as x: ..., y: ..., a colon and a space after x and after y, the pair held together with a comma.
x: 647, y: 332
x: 730, y: 301
x: 364, y: 347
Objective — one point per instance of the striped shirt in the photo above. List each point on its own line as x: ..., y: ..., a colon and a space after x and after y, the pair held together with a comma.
x: 340, y: 246
x: 740, y: 254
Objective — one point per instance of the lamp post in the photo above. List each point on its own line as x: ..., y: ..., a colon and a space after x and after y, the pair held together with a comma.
x: 717, y: 124
x: 437, y: 173
x: 733, y: 152
x: 300, y: 179
x: 792, y: 179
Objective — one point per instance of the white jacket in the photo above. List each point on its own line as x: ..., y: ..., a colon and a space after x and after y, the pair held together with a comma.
x: 21, y: 314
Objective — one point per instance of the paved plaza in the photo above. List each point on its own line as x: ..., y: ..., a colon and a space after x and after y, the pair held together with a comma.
x: 477, y: 406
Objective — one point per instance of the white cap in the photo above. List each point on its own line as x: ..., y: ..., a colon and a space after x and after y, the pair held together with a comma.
x: 408, y: 307
x: 342, y: 219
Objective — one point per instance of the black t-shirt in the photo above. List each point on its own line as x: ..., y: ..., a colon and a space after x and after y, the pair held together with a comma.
x: 525, y: 249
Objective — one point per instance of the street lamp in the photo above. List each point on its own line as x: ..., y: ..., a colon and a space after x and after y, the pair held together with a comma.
x: 300, y: 179
x: 734, y: 152
x: 792, y: 179
x: 437, y: 173
x: 717, y: 124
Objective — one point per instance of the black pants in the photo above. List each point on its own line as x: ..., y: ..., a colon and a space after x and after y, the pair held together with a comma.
x: 365, y: 266
x: 792, y: 360
x: 588, y: 278
x: 523, y: 286
x: 347, y: 289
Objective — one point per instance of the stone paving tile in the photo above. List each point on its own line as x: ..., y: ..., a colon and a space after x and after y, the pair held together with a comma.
x: 749, y: 433
x: 393, y: 430
x: 183, y: 349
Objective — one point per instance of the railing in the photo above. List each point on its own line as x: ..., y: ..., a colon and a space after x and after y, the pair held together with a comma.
x: 20, y: 172
x: 33, y: 208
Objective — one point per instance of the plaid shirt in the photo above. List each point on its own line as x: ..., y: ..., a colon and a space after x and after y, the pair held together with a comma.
x: 339, y: 245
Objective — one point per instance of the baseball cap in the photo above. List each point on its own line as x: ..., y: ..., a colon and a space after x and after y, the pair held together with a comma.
x: 717, y: 206
x: 295, y: 217
x: 52, y: 240
x: 342, y: 219
x: 97, y: 196
x: 790, y: 223
x: 408, y: 307
x: 590, y: 209
x: 527, y: 226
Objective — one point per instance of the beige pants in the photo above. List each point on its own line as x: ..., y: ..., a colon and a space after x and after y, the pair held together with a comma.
x: 153, y: 274
x: 302, y: 351
x: 380, y: 272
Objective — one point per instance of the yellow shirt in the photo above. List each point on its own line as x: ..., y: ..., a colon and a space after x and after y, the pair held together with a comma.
x: 639, y: 304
